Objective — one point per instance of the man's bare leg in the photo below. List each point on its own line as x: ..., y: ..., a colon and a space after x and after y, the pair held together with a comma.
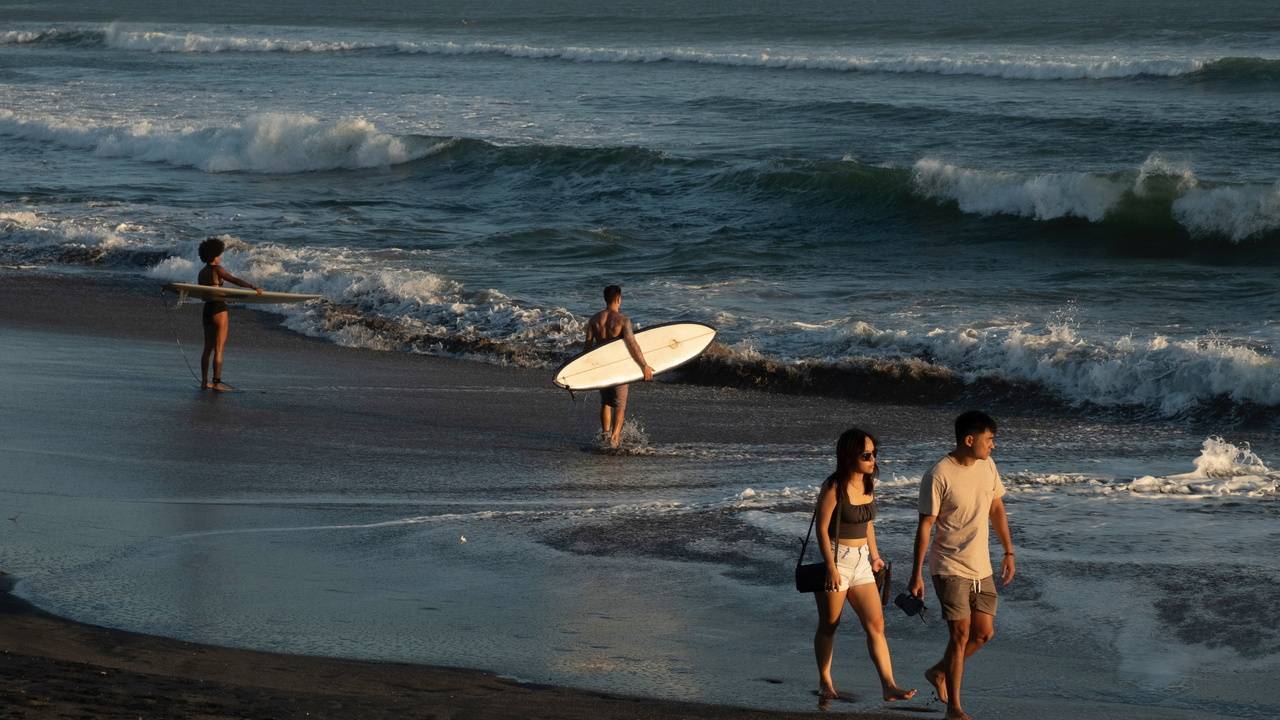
x: 619, y: 414
x: 953, y: 664
x: 982, y: 627
x: 606, y: 422
x: 615, y: 435
x: 937, y: 677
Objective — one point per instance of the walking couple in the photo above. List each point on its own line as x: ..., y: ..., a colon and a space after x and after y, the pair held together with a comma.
x: 960, y: 498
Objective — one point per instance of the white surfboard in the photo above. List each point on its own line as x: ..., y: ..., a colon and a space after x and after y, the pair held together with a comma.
x: 234, y: 294
x: 665, y: 347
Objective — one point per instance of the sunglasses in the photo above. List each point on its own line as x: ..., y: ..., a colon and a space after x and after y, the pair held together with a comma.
x: 867, y: 456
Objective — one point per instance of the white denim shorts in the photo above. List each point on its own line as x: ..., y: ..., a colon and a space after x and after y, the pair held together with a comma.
x: 854, y: 564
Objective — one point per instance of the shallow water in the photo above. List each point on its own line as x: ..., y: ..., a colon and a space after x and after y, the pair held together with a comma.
x: 1077, y: 205
x: 416, y: 517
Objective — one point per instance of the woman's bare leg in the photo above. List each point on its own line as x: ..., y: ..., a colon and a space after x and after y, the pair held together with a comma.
x: 221, y: 326
x: 865, y: 601
x: 210, y: 341
x: 830, y: 605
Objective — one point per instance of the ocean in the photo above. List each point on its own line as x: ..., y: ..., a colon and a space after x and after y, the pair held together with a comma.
x: 1062, y: 211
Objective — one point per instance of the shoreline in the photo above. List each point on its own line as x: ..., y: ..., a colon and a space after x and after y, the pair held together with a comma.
x: 54, y: 667
x: 425, y: 514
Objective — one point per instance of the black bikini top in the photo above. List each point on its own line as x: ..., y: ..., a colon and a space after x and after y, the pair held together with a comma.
x: 853, y: 520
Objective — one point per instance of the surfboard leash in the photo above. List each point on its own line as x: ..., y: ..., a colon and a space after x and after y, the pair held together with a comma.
x: 176, y: 338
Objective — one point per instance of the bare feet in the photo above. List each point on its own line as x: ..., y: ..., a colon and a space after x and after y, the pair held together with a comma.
x: 827, y: 692
x: 219, y: 386
x: 614, y: 441
x: 938, y: 680
x: 957, y: 714
x: 894, y: 693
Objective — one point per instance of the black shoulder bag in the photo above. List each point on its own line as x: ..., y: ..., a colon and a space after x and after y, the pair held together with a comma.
x: 812, y: 577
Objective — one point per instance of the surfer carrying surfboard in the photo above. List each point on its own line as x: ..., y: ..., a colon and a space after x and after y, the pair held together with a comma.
x: 606, y: 325
x: 215, y: 317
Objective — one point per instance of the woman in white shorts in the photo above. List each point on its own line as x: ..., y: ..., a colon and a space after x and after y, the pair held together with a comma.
x: 846, y: 511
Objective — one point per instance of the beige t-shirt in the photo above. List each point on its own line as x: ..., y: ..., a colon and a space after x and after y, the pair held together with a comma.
x: 961, y: 499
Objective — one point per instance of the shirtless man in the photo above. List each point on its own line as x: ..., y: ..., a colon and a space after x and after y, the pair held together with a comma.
x: 606, y: 325
x: 961, y: 498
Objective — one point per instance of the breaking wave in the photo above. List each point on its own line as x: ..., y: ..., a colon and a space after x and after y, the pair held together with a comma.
x: 1057, y: 364
x: 264, y: 143
x: 1162, y: 197
x: 1160, y: 189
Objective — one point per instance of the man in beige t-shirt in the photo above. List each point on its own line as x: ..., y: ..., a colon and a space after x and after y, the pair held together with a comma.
x: 960, y: 497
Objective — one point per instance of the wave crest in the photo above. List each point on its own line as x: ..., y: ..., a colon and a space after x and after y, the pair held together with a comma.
x: 1159, y: 189
x: 263, y: 143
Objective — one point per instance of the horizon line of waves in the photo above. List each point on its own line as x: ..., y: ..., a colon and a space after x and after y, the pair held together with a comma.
x: 1006, y: 65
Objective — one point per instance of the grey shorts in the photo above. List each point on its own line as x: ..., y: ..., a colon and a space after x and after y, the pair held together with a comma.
x: 960, y: 596
x: 614, y: 397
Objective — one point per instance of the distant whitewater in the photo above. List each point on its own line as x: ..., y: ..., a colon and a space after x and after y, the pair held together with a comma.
x: 1008, y: 64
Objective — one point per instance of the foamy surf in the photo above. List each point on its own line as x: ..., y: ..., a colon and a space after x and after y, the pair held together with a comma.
x: 264, y: 143
x: 391, y: 301
x: 1223, y: 469
x: 1237, y: 212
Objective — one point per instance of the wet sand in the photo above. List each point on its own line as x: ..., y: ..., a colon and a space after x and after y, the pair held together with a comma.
x: 55, y: 668
x: 462, y: 411
x: 249, y: 519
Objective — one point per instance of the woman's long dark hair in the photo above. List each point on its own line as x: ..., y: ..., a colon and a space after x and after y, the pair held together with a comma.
x: 850, y: 445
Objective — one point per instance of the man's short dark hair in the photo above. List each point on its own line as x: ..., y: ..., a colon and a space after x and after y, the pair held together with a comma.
x: 611, y: 293
x: 974, y: 422
x: 211, y: 248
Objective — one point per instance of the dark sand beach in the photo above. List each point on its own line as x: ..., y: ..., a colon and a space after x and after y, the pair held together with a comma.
x: 411, y: 512
x: 54, y: 667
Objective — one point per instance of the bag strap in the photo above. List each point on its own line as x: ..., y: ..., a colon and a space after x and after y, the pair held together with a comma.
x: 804, y: 544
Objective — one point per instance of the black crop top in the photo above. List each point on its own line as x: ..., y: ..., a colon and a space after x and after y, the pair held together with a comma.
x: 853, y: 520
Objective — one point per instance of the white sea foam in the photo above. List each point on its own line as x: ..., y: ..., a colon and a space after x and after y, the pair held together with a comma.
x: 1044, y: 197
x: 94, y: 235
x: 1235, y: 212
x: 1171, y: 376
x: 1221, y: 469
x: 191, y: 42
x: 401, y: 307
x: 263, y: 143
x: 25, y: 37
